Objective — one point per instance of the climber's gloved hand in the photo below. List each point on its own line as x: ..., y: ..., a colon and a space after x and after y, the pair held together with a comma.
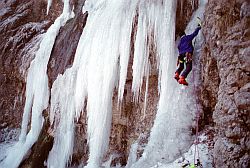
x: 199, y: 22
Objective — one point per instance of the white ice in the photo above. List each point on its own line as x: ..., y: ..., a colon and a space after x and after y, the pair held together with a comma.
x: 93, y: 75
x: 4, y: 147
x: 48, y: 6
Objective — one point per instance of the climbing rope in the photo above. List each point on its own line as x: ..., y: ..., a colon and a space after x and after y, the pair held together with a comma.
x: 196, y: 150
x: 196, y: 143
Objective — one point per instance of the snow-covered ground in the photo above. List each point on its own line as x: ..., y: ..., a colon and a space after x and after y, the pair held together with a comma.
x: 8, y: 137
x: 4, y: 147
x: 187, y: 159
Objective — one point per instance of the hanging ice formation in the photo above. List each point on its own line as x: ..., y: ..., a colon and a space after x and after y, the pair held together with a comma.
x: 101, y: 58
x: 37, y: 93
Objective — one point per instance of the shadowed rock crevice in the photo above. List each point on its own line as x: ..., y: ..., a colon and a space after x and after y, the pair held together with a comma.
x: 184, y: 11
x: 64, y: 49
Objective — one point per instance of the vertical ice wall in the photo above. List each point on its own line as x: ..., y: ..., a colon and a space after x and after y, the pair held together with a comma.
x: 170, y: 135
x: 37, y: 94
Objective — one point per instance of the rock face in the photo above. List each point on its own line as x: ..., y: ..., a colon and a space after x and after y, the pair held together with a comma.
x: 63, y: 52
x: 226, y: 80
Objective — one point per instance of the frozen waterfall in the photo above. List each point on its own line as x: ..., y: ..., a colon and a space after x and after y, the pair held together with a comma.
x: 100, y: 66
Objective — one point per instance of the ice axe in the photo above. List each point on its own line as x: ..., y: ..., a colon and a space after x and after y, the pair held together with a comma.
x: 199, y: 21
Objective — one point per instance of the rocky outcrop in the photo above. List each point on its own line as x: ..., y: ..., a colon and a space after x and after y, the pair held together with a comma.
x: 64, y: 49
x: 226, y: 80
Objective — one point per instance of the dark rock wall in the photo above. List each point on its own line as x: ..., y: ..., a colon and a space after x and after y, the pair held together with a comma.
x: 226, y: 80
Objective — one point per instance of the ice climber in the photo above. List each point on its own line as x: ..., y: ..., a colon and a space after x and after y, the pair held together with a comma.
x: 186, y: 49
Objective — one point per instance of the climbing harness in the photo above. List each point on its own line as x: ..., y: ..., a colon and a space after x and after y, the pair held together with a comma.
x: 186, y: 59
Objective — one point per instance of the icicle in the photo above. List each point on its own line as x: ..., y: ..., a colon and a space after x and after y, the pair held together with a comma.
x: 93, y: 75
x: 140, y: 53
x: 62, y: 106
x: 101, y: 73
x: 132, y: 154
x: 48, y: 6
x: 125, y: 44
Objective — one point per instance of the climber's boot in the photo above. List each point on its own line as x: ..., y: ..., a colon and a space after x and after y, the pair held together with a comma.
x: 182, y: 81
x: 176, y: 76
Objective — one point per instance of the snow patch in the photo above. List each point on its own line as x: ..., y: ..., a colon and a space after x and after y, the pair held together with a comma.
x: 187, y: 158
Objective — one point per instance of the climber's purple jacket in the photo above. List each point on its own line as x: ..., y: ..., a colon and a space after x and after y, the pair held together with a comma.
x: 185, y: 44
